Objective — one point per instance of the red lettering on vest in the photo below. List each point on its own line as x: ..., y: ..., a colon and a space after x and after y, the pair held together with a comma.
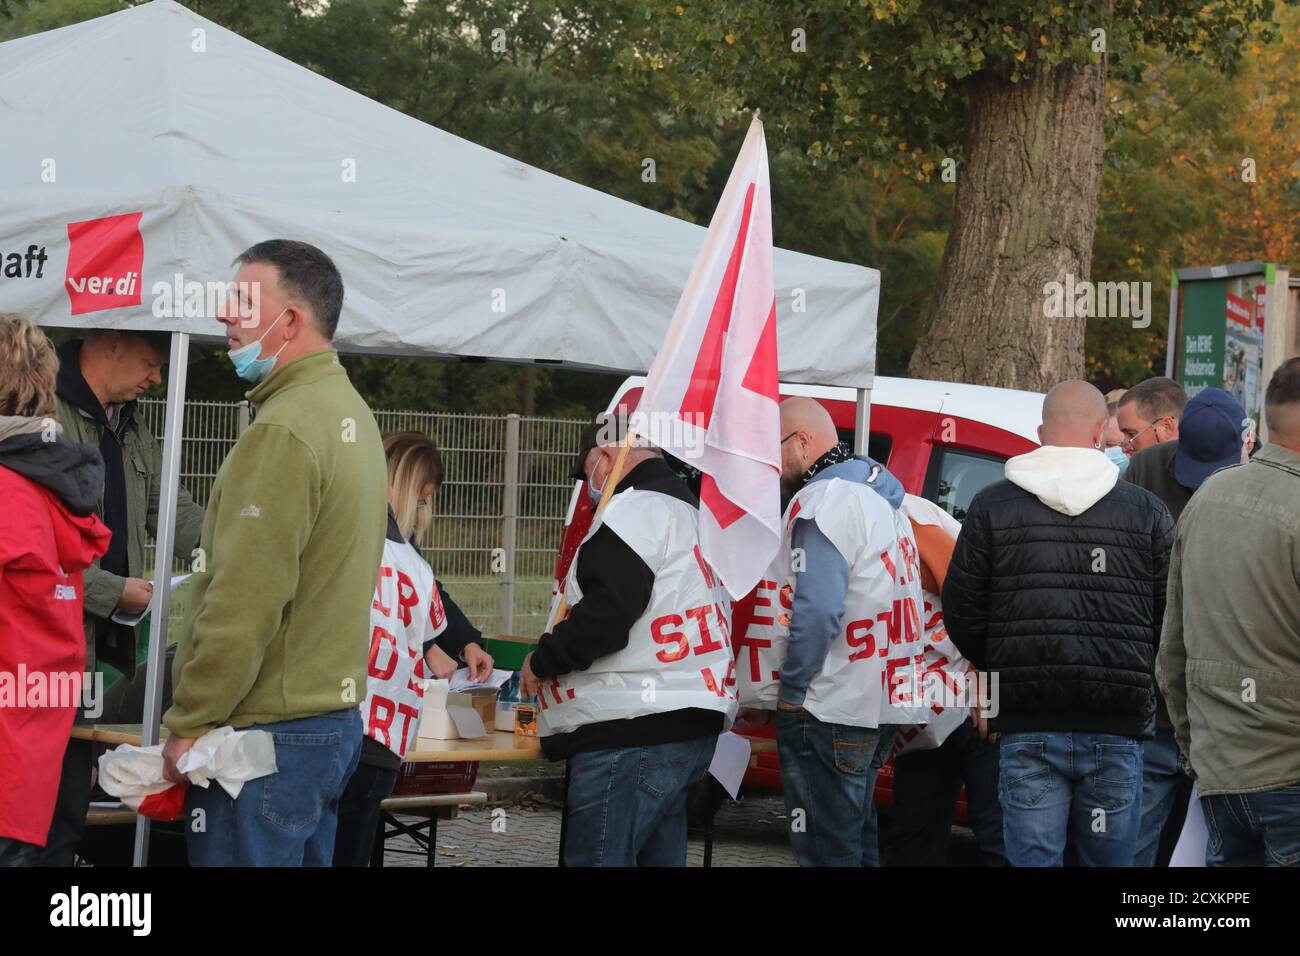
x: 858, y: 634
x: 908, y: 548
x: 380, y: 724
x: 898, y: 683
x: 657, y: 632
x: 406, y: 598
x: 889, y: 564
x: 753, y: 645
x: 409, y: 714
x: 436, y: 612
x: 378, y: 638
x: 384, y: 572
x: 911, y: 621
x: 933, y: 617
x: 704, y: 566
x: 707, y: 643
x: 762, y: 600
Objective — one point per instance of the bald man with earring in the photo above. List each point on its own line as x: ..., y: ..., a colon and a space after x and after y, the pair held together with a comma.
x: 1057, y: 584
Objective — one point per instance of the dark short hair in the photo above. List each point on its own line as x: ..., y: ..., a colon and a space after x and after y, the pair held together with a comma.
x: 607, y: 428
x: 1283, y: 389
x: 160, y: 342
x: 1158, y: 397
x: 305, y: 273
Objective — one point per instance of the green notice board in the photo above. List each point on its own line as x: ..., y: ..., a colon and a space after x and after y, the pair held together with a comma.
x: 1220, y: 340
x: 1203, y: 334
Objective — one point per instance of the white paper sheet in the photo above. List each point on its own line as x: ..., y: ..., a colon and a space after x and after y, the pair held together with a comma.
x: 460, y: 680
x: 131, y: 620
x: 730, y: 760
x: 1195, y: 838
x: 468, y: 722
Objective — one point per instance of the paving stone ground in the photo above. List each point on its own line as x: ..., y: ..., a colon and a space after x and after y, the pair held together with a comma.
x: 750, y: 832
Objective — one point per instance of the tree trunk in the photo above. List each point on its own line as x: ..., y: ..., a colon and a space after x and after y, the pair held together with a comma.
x: 528, y: 391
x: 1025, y: 215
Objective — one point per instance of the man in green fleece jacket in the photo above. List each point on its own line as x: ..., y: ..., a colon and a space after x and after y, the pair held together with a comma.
x: 276, y: 635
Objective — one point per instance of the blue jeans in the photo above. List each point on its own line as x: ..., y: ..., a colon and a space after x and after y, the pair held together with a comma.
x: 1164, y: 785
x: 1253, y: 829
x: 287, y: 818
x: 828, y: 777
x: 627, y: 807
x: 1059, y: 785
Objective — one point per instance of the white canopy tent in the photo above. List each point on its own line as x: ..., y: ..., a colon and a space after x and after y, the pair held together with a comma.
x: 446, y: 248
x: 151, y: 146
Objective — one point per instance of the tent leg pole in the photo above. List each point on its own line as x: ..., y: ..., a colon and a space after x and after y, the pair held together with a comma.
x: 862, y: 422
x: 164, y: 542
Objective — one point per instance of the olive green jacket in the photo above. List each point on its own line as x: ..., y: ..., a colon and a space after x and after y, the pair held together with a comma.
x: 277, y: 626
x: 142, y: 464
x: 1229, y: 659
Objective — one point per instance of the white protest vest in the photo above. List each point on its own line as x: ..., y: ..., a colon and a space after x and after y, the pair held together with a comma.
x: 940, y: 675
x: 405, y: 613
x: 678, y: 653
x: 880, y: 630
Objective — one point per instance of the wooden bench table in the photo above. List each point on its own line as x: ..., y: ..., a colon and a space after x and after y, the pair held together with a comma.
x: 497, y: 746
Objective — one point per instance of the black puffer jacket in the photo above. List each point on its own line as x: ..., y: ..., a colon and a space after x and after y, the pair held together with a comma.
x: 1065, y: 610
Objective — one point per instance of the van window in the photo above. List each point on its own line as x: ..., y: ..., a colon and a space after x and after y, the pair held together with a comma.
x: 878, y: 444
x: 956, y: 476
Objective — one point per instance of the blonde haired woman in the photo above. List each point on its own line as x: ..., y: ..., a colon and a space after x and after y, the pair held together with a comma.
x: 48, y: 537
x: 416, y: 632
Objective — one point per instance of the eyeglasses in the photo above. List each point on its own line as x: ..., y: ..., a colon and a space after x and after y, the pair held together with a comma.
x: 789, y: 436
x: 1127, y: 444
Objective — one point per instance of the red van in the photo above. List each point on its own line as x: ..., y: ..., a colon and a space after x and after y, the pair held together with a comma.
x: 942, y: 440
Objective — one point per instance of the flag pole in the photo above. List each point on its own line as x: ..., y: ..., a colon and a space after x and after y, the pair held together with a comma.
x: 616, y: 473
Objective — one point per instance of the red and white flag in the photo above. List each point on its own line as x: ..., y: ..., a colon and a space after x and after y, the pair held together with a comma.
x: 711, y: 396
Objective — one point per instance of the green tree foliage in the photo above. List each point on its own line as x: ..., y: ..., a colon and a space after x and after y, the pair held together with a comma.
x: 588, y: 90
x: 880, y: 82
x: 883, y: 86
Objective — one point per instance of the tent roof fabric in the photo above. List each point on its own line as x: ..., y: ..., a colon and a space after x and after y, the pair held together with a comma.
x: 445, y: 247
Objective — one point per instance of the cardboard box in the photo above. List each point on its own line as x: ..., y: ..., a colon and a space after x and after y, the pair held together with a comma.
x: 505, y: 715
x: 484, y: 702
x: 436, y: 722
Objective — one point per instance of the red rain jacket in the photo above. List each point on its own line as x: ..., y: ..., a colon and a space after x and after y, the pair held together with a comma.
x: 43, y: 550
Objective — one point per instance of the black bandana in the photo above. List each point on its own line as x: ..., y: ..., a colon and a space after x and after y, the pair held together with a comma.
x: 841, y: 452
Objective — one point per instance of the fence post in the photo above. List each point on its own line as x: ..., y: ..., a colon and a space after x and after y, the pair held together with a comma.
x: 243, y: 418
x: 510, y: 523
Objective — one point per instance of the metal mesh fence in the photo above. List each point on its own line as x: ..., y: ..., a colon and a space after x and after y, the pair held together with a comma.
x: 498, y: 518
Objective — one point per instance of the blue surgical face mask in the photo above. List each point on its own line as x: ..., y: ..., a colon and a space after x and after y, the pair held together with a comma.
x: 594, y: 493
x: 248, y: 365
x: 1116, y: 454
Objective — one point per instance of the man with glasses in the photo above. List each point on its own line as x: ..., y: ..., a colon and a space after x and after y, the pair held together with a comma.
x: 1213, y: 433
x: 1148, y: 413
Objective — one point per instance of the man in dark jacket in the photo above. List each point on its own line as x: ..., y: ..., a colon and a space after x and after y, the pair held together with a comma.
x: 100, y: 380
x: 1057, y: 585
